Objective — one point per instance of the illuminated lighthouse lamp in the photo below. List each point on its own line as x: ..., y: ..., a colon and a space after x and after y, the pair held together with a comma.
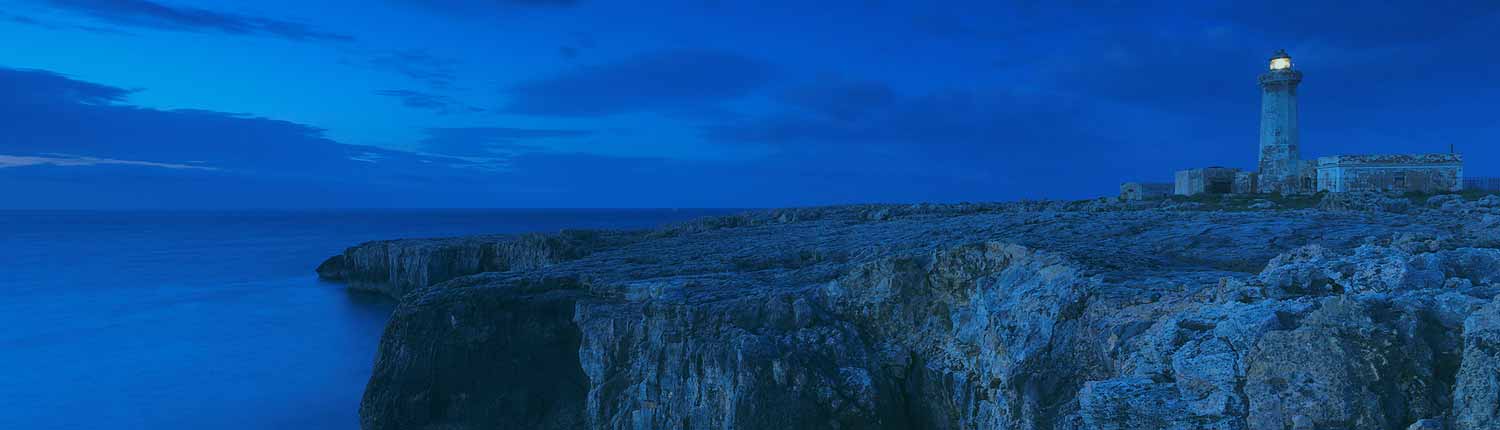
x: 1281, y: 61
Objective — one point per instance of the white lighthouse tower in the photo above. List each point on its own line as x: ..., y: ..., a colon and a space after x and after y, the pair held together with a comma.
x: 1280, y: 163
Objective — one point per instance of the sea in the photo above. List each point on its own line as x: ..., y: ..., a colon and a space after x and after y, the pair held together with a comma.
x: 210, y: 320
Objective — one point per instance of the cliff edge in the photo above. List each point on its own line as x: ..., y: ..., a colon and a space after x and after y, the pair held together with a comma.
x: 1033, y: 315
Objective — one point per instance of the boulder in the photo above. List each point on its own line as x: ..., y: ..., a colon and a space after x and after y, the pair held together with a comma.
x: 1444, y: 201
x: 1365, y: 202
x: 1476, y: 397
x: 1490, y: 201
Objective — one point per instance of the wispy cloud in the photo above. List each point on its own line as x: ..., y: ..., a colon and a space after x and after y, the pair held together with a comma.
x: 161, y: 16
x: 434, y: 102
x: 26, y: 20
x: 64, y: 160
x: 418, y: 65
x: 839, y: 99
x: 31, y: 87
x: 491, y: 141
x: 990, y: 134
x: 469, y: 8
x: 541, y: 3
x: 657, y: 81
x: 42, y: 110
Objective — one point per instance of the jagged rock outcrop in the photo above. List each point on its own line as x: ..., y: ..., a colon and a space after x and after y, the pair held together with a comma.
x: 505, y: 355
x: 396, y: 267
x: 1033, y: 315
x: 1476, y: 403
x: 1365, y: 201
x: 977, y: 336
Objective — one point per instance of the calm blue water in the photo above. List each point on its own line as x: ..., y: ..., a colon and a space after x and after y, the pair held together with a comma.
x: 148, y: 320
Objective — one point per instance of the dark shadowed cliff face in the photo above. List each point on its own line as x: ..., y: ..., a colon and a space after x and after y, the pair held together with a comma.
x: 1038, y: 316
x: 505, y: 356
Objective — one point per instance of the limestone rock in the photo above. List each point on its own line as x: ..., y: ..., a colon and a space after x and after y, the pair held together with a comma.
x: 880, y: 214
x: 1302, y: 422
x: 486, y: 358
x: 396, y: 267
x: 1365, y: 201
x: 1476, y: 399
x: 1132, y: 403
x: 1444, y: 201
x: 1345, y: 364
x: 1026, y: 315
x: 1490, y: 201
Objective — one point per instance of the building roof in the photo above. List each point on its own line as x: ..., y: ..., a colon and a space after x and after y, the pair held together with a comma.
x: 1392, y: 159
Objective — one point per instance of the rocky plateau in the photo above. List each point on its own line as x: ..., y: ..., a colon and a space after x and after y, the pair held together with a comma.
x: 1358, y: 312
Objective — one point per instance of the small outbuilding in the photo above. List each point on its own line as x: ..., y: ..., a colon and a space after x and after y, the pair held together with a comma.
x: 1133, y: 191
x: 1425, y: 173
x: 1211, y: 180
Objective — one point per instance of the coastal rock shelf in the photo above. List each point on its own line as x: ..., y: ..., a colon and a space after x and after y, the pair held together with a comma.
x: 395, y: 267
x: 1030, y: 315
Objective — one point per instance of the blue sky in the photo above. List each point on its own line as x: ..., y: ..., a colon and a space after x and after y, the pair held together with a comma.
x: 580, y: 103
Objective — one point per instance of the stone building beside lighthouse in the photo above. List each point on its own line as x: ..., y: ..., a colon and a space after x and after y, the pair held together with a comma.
x: 1280, y: 168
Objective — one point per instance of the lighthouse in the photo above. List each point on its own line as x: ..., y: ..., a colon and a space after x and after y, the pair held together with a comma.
x: 1280, y: 164
x: 1282, y: 170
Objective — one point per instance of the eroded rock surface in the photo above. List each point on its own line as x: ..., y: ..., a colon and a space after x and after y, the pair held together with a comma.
x: 1037, y: 315
x: 396, y: 267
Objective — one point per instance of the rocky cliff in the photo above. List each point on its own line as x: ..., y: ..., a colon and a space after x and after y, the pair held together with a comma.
x: 1038, y: 315
x: 395, y: 267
